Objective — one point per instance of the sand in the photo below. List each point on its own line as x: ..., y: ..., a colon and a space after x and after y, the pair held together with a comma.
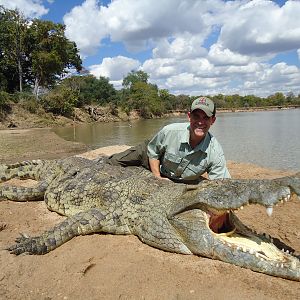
x: 103, y: 266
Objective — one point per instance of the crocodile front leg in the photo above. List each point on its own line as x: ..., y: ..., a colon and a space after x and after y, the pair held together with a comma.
x: 87, y: 222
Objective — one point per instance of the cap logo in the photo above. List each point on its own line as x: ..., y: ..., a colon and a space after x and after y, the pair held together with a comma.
x: 202, y: 101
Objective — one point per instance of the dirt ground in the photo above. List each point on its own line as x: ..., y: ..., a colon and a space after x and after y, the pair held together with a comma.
x: 103, y: 266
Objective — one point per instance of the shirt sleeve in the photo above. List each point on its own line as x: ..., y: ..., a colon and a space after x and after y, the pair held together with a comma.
x: 218, y: 169
x: 156, y: 146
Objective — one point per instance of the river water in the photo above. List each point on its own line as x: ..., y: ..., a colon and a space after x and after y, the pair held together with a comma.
x: 266, y: 138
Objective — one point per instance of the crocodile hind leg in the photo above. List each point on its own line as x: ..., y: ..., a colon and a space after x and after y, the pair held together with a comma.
x: 87, y: 222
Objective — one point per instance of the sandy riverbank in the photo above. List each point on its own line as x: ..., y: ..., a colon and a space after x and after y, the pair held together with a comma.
x: 122, y: 267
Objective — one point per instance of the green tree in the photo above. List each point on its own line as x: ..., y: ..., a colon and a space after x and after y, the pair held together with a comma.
x: 13, y: 49
x: 167, y: 99
x: 144, y: 97
x: 290, y: 97
x: 183, y: 102
x: 61, y: 101
x: 133, y: 77
x: 219, y: 100
x: 98, y: 91
x: 33, y: 52
x: 51, y: 53
x: 276, y: 99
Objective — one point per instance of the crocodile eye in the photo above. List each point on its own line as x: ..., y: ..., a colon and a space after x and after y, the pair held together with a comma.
x: 75, y: 173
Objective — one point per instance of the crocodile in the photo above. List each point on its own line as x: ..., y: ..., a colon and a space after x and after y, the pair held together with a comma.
x: 96, y: 197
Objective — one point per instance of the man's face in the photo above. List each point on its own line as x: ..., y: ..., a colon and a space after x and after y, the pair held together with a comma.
x: 199, y: 123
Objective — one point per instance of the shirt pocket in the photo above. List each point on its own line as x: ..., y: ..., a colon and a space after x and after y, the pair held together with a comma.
x: 171, y: 161
x: 196, y: 168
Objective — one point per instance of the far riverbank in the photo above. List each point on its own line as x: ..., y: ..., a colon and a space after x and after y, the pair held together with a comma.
x: 21, y: 118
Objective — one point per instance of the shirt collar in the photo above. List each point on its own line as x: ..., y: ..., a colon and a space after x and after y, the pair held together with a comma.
x: 203, y: 144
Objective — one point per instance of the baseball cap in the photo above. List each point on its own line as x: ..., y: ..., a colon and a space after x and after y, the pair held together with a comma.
x: 204, y: 104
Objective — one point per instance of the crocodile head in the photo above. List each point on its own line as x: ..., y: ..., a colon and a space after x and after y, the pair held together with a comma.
x: 236, y: 243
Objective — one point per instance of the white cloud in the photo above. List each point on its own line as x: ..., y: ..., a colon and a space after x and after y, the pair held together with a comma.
x: 250, y: 69
x: 195, y: 47
x: 201, y: 77
x: 184, y: 82
x: 115, y: 67
x: 160, y: 67
x: 261, y: 27
x: 281, y: 72
x: 220, y: 56
x: 201, y: 67
x: 183, y: 46
x: 85, y: 27
x: 30, y: 8
x: 141, y: 24
x: 132, y: 21
x: 278, y: 78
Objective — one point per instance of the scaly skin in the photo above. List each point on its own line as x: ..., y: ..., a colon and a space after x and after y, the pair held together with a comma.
x: 173, y: 217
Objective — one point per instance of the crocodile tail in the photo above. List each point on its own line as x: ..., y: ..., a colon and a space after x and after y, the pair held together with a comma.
x: 23, y: 170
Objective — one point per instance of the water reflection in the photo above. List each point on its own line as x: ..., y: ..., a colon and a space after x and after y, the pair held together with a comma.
x: 267, y: 138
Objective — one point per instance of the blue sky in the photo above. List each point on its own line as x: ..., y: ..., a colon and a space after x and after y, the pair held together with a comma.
x: 188, y: 47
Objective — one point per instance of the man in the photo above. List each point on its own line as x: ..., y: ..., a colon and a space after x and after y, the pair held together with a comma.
x: 183, y: 152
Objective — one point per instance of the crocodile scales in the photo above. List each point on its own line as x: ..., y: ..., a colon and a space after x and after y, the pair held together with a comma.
x: 97, y: 197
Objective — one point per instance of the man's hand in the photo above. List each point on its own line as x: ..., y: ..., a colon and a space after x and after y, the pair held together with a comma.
x: 155, y: 169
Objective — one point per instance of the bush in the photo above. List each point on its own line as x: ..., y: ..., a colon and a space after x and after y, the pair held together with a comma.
x: 5, y: 99
x: 26, y: 100
x: 60, y: 101
x: 30, y: 105
x: 5, y: 107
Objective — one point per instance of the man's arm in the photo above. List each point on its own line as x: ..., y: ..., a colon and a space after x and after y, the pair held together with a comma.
x: 218, y: 169
x: 155, y: 167
x: 155, y: 152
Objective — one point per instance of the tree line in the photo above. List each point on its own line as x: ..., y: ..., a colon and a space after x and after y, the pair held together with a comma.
x: 35, y: 63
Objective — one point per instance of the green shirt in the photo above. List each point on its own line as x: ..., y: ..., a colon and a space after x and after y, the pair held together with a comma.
x: 179, y: 161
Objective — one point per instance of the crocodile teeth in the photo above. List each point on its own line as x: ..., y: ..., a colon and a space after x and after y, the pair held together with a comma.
x: 269, y: 211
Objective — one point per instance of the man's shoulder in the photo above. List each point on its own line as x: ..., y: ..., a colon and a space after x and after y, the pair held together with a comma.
x: 214, y: 143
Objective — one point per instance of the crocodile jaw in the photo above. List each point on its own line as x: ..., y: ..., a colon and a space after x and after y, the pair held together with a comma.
x: 257, y: 252
x: 239, y: 246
